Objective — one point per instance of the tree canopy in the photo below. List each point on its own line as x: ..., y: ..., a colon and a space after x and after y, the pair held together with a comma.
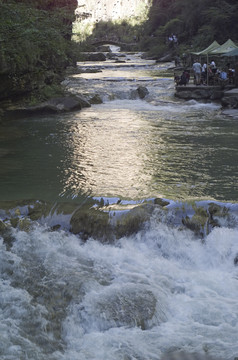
x: 35, y: 45
x: 197, y: 22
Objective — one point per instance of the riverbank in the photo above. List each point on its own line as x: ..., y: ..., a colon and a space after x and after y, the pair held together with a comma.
x: 63, y: 99
x: 227, y: 96
x: 197, y: 92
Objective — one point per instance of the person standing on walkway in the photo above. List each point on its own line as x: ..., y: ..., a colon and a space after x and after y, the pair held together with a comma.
x: 213, y: 67
x: 197, y: 70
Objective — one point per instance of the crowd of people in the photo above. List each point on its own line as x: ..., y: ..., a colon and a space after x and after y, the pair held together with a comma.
x: 209, y: 74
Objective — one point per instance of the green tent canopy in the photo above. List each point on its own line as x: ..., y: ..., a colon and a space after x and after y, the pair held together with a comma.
x: 209, y: 49
x: 232, y: 53
x: 228, y: 46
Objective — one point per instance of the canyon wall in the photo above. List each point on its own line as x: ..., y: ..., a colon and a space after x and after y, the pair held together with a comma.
x: 98, y: 10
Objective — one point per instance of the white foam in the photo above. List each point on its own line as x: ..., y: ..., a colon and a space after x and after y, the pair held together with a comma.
x: 194, y: 284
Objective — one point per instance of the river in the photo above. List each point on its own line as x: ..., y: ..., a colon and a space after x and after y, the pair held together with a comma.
x: 158, y: 291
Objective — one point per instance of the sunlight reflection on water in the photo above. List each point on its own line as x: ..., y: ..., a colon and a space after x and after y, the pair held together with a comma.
x: 115, y: 150
x: 106, y: 155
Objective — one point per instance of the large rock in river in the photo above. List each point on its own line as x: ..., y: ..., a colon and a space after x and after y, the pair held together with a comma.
x: 54, y: 105
x: 140, y: 92
x: 92, y: 222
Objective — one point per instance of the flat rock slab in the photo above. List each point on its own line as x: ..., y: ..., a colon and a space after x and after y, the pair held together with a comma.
x: 231, y: 112
x: 232, y: 92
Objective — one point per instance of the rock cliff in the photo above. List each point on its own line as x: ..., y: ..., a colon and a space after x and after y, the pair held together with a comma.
x: 105, y: 10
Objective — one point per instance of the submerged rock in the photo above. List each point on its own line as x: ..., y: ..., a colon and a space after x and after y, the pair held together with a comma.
x: 236, y: 260
x: 129, y: 305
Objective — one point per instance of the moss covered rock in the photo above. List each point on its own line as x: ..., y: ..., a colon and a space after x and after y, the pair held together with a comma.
x: 91, y: 222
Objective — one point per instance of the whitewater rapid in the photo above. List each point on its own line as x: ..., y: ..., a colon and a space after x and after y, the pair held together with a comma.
x: 158, y: 291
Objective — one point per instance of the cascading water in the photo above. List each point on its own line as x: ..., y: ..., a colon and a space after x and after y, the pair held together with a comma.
x: 156, y: 279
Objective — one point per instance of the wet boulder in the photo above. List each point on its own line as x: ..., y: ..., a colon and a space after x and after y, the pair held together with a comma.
x: 201, y: 218
x: 131, y: 222
x: 60, y: 104
x: 83, y: 102
x: 39, y: 210
x: 107, y: 226
x: 91, y: 222
x: 54, y: 105
x: 141, y: 92
x: 198, y: 223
